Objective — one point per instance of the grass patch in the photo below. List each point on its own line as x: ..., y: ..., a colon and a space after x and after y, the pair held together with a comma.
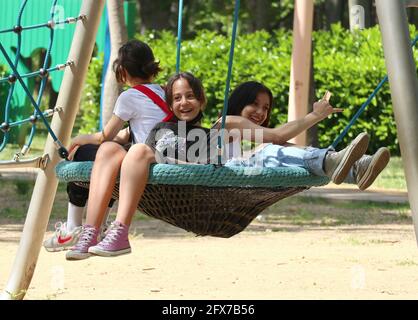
x: 37, y: 148
x: 393, y: 177
x: 407, y: 263
x: 15, y: 196
x: 355, y: 242
x: 308, y: 211
x: 302, y: 217
x: 12, y: 213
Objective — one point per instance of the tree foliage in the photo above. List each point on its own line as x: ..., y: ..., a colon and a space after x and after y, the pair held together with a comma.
x: 89, y: 115
x: 268, y: 15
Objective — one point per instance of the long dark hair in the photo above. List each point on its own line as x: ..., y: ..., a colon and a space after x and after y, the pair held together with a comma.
x: 195, y: 84
x: 246, y: 94
x: 136, y: 58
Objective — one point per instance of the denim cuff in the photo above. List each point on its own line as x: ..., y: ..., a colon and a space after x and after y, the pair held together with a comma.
x: 314, y: 160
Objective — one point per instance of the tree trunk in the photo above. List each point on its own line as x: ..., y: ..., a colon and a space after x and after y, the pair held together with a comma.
x: 261, y: 15
x: 312, y: 133
x: 334, y: 10
x: 155, y: 15
x: 413, y: 16
x: 118, y: 36
x: 360, y: 13
x: 300, y: 64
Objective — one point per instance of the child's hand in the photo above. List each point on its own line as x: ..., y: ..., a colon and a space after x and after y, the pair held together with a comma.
x: 323, y: 108
x: 76, y: 143
x: 71, y: 151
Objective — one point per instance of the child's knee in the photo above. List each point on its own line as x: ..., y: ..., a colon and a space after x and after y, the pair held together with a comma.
x: 109, y: 150
x: 140, y: 152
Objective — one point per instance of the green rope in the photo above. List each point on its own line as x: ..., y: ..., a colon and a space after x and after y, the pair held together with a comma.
x: 43, y: 72
x: 228, y: 78
x: 12, y: 85
x: 179, y: 28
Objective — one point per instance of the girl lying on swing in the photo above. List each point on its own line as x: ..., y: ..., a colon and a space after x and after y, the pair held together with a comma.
x: 168, y: 142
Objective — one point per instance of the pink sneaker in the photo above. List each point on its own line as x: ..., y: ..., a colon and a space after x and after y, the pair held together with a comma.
x: 115, y: 243
x: 88, y: 238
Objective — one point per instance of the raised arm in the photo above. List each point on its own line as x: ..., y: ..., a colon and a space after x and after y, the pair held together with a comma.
x: 321, y: 110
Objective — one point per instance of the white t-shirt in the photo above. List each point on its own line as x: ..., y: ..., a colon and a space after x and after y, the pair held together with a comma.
x: 141, y: 112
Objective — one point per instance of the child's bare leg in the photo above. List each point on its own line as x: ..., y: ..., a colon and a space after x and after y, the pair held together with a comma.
x: 103, y: 180
x: 133, y: 179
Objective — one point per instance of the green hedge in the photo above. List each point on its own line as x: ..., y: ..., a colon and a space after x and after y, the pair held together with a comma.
x: 349, y: 65
x: 4, y: 89
x: 89, y: 115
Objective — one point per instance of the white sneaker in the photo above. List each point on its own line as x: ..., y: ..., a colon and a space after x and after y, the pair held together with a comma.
x: 62, y: 239
x: 338, y: 164
x: 368, y: 168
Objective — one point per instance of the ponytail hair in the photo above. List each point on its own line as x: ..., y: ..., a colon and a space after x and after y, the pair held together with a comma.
x: 136, y: 58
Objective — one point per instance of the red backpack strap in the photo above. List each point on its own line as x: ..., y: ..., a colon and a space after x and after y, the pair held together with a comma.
x: 157, y: 100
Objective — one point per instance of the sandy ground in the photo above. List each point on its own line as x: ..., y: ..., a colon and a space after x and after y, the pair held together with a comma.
x: 366, y: 262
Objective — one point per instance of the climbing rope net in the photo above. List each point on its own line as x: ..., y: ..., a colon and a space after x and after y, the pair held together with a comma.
x: 15, y: 78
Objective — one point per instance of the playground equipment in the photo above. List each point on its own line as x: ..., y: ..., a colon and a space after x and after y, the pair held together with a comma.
x: 405, y: 101
x: 16, y: 44
x: 33, y: 18
x: 209, y: 200
x: 189, y: 196
x: 62, y: 123
x: 404, y: 89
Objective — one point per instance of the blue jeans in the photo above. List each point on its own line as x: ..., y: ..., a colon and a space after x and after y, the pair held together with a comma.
x: 273, y: 156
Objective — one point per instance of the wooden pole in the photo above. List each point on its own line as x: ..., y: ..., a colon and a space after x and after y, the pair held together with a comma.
x: 301, y: 64
x: 118, y: 36
x: 403, y: 83
x: 62, y: 124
